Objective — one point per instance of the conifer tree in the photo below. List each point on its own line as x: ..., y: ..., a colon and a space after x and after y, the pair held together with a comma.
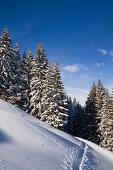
x: 72, y: 115
x: 29, y: 61
x: 79, y: 121
x: 6, y: 67
x: 105, y: 126
x: 74, y: 102
x: 5, y: 39
x: 37, y: 74
x: 16, y: 81
x: 91, y: 101
x: 48, y: 99
x: 100, y: 91
x: 25, y: 82
x: 90, y: 115
x: 60, y: 99
x: 109, y: 129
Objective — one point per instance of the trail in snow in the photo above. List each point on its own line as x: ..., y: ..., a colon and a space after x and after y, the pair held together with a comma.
x: 69, y: 153
x: 26, y: 143
x: 84, y: 158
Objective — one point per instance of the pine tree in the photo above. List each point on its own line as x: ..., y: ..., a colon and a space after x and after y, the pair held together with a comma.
x: 105, y: 126
x: 74, y: 102
x: 37, y: 74
x: 72, y: 115
x: 60, y: 100
x: 5, y: 39
x: 100, y: 91
x: 6, y: 70
x: 30, y: 58
x: 91, y: 101
x: 15, y: 96
x: 109, y: 133
x: 90, y: 115
x: 48, y: 99
x: 25, y: 82
x: 79, y: 121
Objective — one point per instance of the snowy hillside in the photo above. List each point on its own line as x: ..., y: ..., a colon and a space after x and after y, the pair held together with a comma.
x: 29, y: 144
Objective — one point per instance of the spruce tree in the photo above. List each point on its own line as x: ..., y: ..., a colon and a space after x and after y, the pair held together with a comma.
x: 25, y: 82
x: 105, y: 126
x: 109, y: 134
x: 37, y: 79
x: 48, y: 98
x: 29, y: 65
x: 72, y: 115
x: 74, y: 102
x: 60, y: 99
x: 79, y: 121
x: 16, y: 80
x: 91, y: 100
x: 5, y: 39
x: 90, y: 129
x: 100, y: 91
x: 6, y: 67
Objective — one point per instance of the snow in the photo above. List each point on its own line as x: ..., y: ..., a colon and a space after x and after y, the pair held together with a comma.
x: 27, y: 143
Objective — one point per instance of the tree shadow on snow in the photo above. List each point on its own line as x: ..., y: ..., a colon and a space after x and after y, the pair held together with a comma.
x: 90, y: 161
x: 4, y: 138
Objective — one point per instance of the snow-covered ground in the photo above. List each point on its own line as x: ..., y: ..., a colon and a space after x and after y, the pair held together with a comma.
x: 26, y: 143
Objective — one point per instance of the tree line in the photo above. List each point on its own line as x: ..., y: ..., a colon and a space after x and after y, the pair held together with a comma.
x: 31, y: 83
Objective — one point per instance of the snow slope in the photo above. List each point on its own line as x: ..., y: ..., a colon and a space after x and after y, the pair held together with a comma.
x: 26, y: 143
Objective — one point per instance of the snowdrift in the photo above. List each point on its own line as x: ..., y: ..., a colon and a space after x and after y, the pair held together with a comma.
x: 26, y: 143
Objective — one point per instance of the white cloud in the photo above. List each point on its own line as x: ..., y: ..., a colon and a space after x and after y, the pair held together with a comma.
x: 99, y: 64
x: 102, y: 51
x: 71, y: 68
x: 79, y: 93
x: 111, y: 53
x: 100, y: 73
x: 74, y: 68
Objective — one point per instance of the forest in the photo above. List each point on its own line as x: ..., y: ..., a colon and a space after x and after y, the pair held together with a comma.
x: 31, y: 83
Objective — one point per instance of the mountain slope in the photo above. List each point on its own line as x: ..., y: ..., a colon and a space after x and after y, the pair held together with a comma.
x: 26, y: 143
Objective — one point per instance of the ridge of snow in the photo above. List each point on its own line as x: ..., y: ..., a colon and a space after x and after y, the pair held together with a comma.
x: 104, y: 152
x: 84, y: 157
x: 27, y: 143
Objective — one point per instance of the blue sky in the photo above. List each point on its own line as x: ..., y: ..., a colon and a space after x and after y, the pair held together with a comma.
x: 78, y: 33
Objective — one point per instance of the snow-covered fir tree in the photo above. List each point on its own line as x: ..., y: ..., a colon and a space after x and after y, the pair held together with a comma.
x: 49, y: 113
x: 16, y: 81
x: 9, y: 65
x: 37, y: 79
x: 109, y: 126
x: 100, y: 91
x: 60, y: 99
x: 79, y: 121
x: 5, y: 68
x: 33, y: 85
x: 25, y: 81
x: 90, y: 129
x: 105, y: 125
x: 72, y: 115
x: 29, y: 65
x: 91, y: 100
